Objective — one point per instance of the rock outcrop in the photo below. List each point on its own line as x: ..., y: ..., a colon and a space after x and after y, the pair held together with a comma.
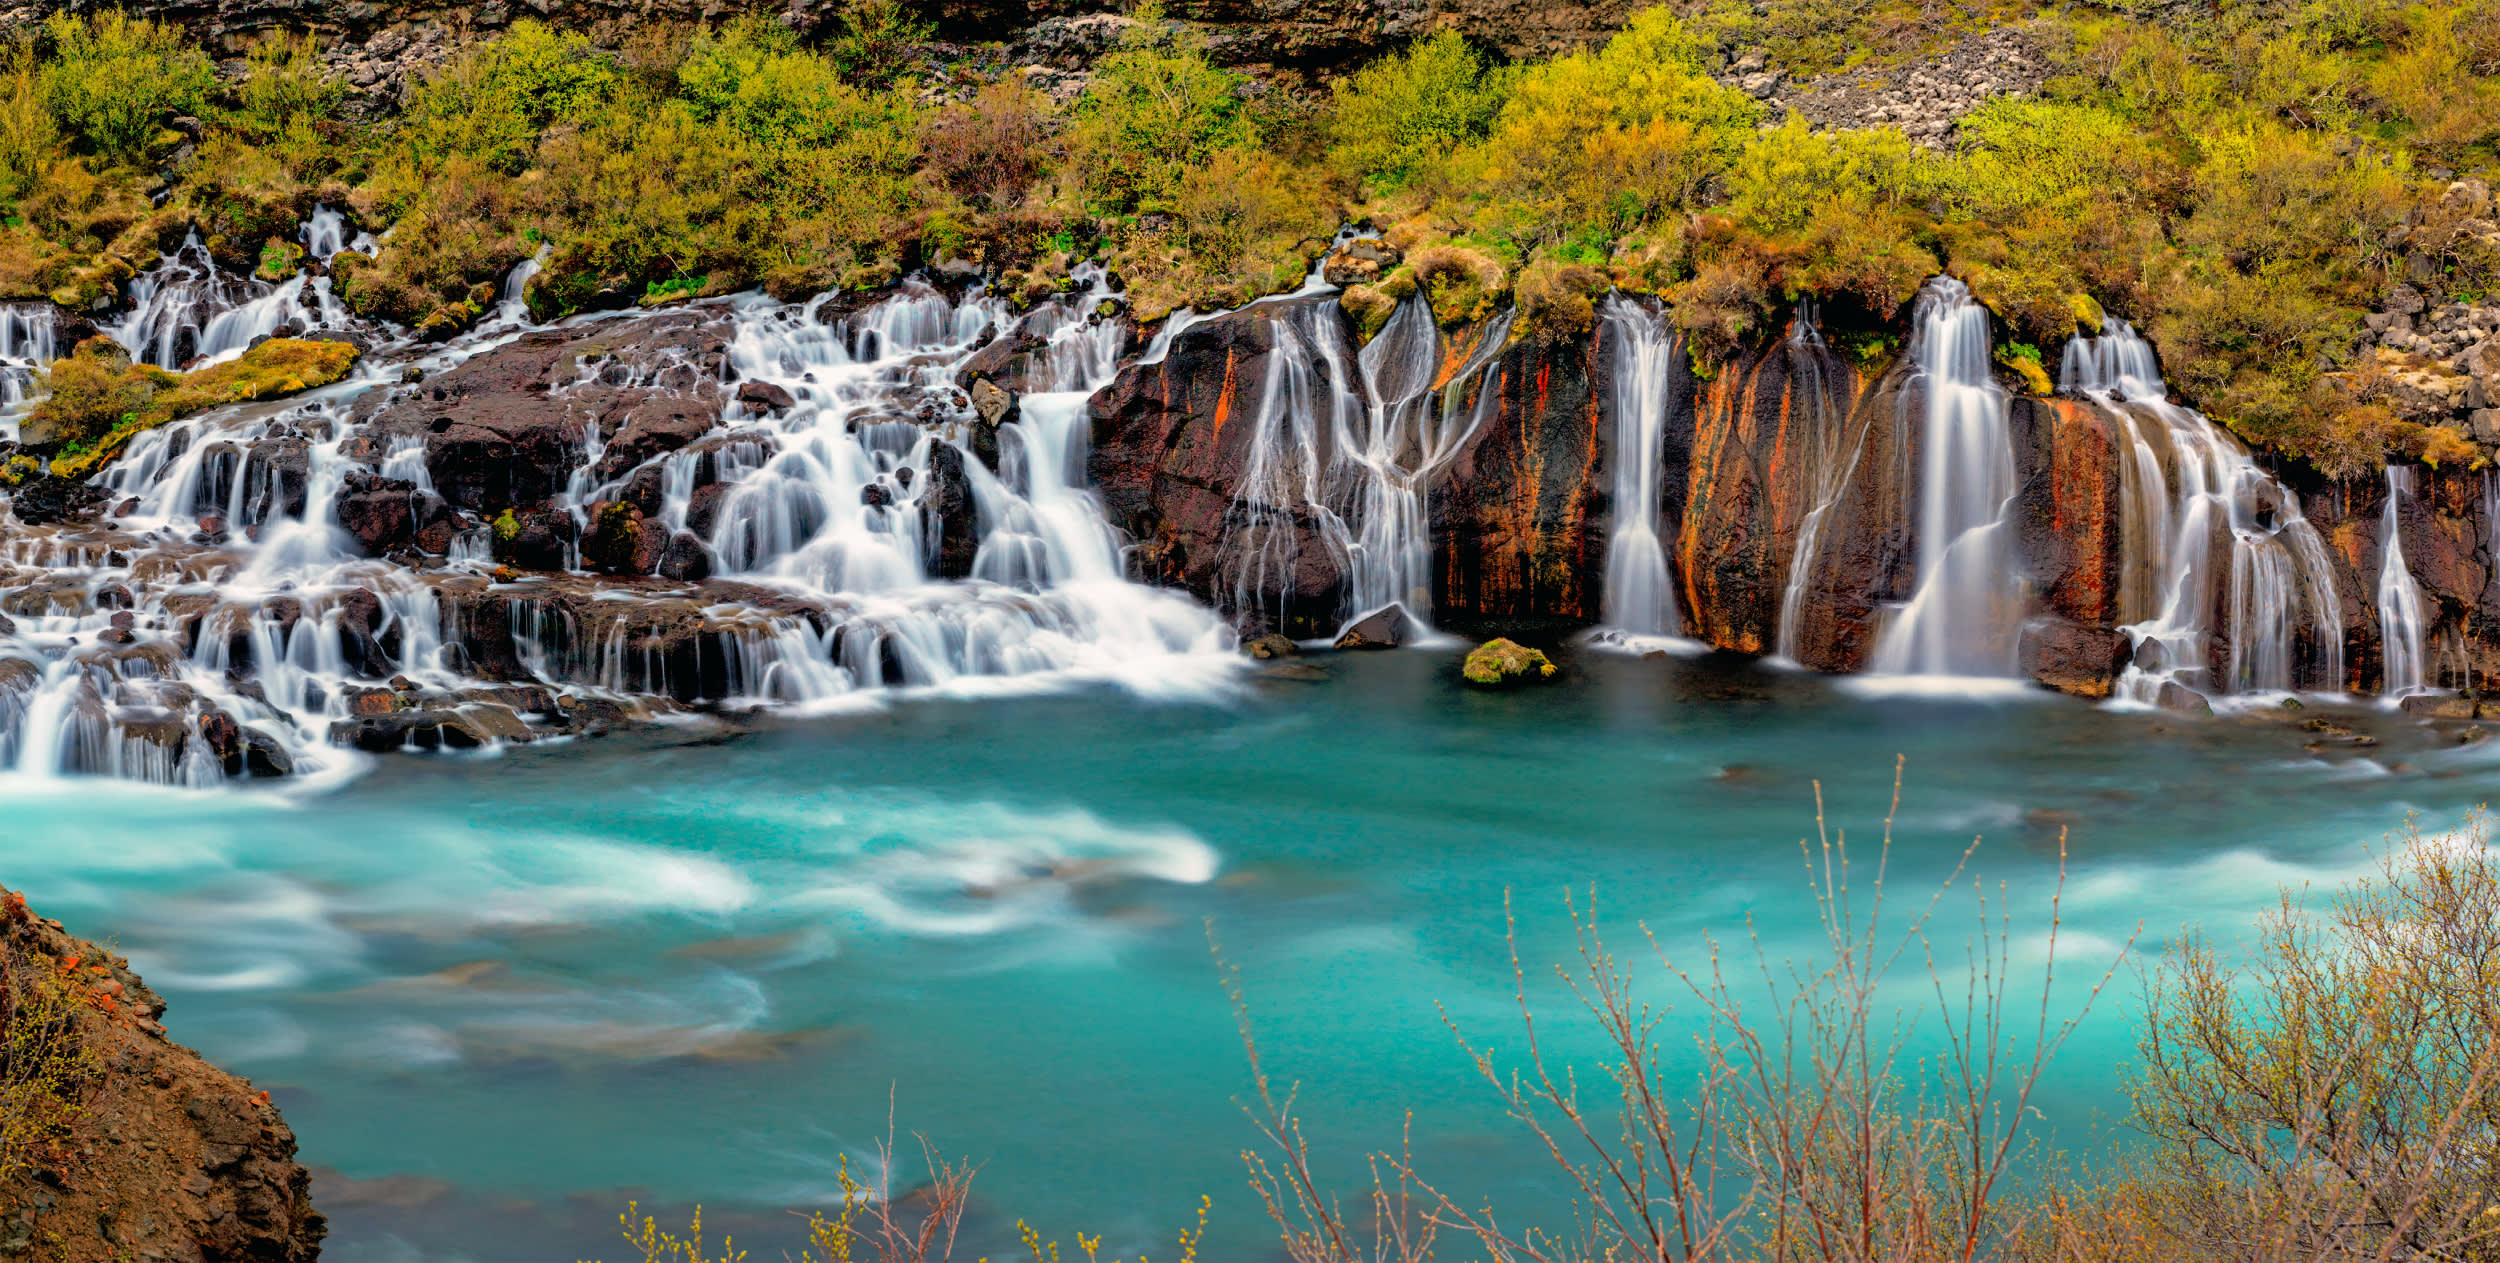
x: 168, y: 1158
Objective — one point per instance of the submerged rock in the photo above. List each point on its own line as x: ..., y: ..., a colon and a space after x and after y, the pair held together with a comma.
x: 1499, y: 663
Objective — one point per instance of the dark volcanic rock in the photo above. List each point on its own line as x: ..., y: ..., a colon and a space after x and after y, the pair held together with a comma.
x: 2073, y: 659
x: 950, y: 517
x: 508, y: 428
x: 1172, y: 445
x: 1520, y: 519
x: 1385, y: 628
x: 46, y: 498
x: 1768, y: 437
x: 1866, y: 554
x: 388, y: 515
x: 172, y: 1158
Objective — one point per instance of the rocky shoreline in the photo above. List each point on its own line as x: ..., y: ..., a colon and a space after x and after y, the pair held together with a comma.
x: 169, y: 1159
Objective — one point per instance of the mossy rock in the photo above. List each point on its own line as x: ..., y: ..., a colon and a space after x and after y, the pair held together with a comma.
x: 2033, y: 374
x: 1502, y: 663
x: 96, y: 419
x: 279, y: 259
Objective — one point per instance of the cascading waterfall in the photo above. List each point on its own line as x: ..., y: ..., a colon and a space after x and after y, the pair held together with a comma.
x: 26, y: 349
x: 1360, y: 464
x: 2400, y: 611
x: 1640, y: 592
x: 186, y: 309
x: 2182, y: 477
x: 1962, y: 618
x: 230, y: 602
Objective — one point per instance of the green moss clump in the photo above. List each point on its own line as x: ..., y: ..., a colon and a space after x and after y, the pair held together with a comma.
x: 1497, y: 663
x: 99, y: 400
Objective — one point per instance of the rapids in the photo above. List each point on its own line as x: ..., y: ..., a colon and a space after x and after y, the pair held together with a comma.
x: 499, y: 995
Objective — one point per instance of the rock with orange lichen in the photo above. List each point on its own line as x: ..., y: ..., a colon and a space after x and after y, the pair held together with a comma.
x: 167, y: 1158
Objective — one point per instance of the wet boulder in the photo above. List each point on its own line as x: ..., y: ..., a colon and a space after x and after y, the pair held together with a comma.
x: 765, y: 395
x: 45, y: 499
x: 275, y: 474
x: 535, y: 539
x: 388, y: 515
x: 1270, y: 646
x: 653, y: 428
x: 949, y: 519
x: 620, y: 541
x: 687, y: 559
x: 1388, y: 627
x: 2074, y: 659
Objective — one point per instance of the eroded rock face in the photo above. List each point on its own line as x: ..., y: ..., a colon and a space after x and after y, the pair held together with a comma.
x: 1767, y: 439
x: 1519, y: 520
x: 1173, y: 447
x: 172, y: 1158
x: 1866, y: 556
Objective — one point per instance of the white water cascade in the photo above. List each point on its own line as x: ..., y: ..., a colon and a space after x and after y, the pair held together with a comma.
x: 1360, y: 464
x: 222, y: 598
x: 1963, y: 617
x: 1640, y: 590
x: 185, y: 309
x: 2400, y: 611
x: 26, y: 350
x: 2185, y: 487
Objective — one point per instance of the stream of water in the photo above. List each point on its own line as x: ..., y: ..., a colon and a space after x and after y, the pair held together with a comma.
x: 498, y: 996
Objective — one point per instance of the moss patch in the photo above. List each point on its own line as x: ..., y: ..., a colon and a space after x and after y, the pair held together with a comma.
x: 100, y: 401
x: 1500, y: 663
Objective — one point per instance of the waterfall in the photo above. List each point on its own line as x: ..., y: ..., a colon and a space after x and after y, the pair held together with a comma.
x: 1360, y: 464
x: 1640, y: 592
x: 1962, y: 618
x: 2400, y: 617
x: 325, y: 234
x: 26, y: 350
x: 221, y: 618
x: 185, y: 309
x: 2186, y: 486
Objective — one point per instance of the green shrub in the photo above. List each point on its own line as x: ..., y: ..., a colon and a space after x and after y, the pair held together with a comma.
x: 1404, y: 115
x: 875, y: 43
x: 1601, y: 143
x: 285, y: 87
x: 29, y: 138
x: 1152, y: 114
x: 113, y: 80
x: 492, y: 102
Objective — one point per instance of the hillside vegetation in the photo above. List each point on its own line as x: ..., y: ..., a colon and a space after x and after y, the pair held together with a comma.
x: 2243, y: 180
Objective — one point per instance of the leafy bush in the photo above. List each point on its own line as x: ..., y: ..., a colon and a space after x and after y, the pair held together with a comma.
x: 875, y: 43
x: 1601, y: 143
x: 29, y: 137
x: 285, y: 87
x: 47, y: 1068
x: 112, y: 80
x: 1153, y: 112
x: 491, y: 103
x: 1404, y: 115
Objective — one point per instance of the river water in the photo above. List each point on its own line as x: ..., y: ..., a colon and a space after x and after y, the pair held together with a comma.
x: 498, y: 996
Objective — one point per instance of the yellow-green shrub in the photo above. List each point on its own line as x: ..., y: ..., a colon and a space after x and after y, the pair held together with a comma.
x: 1404, y: 115
x: 112, y: 80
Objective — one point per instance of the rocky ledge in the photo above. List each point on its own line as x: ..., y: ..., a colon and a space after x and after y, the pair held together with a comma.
x: 169, y: 1160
